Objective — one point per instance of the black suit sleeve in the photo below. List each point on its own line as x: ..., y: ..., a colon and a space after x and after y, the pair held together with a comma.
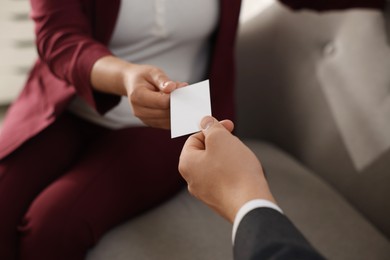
x: 265, y: 233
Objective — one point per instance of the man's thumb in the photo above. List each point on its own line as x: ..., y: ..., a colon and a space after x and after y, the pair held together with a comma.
x: 208, y: 123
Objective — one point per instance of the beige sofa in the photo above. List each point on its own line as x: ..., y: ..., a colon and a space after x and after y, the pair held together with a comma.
x: 313, y: 102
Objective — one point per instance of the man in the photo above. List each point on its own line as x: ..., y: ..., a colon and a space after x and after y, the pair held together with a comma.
x: 225, y: 174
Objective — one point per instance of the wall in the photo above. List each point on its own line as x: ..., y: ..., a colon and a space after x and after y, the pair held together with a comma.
x: 17, y: 49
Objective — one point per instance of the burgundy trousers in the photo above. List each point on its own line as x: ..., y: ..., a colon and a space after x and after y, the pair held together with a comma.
x: 63, y: 189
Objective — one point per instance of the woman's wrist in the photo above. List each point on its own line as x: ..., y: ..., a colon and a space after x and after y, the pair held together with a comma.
x: 109, y: 75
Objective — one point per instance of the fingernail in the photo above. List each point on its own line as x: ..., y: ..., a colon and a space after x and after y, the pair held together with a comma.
x: 206, y: 122
x: 165, y: 84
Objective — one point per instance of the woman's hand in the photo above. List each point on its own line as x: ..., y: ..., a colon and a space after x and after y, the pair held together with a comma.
x: 148, y: 90
x: 147, y: 87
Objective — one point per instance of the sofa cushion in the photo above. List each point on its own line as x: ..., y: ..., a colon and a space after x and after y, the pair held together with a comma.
x: 330, y: 223
x: 184, y: 228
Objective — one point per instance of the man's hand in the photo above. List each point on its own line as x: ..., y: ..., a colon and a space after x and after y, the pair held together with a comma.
x: 220, y: 170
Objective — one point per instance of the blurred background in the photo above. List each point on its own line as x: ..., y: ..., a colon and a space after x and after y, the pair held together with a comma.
x: 17, y: 50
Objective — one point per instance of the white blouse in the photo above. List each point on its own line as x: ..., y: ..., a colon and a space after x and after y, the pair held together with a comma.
x: 170, y: 34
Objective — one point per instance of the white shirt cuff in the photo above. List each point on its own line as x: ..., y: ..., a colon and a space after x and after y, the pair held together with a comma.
x: 249, y: 206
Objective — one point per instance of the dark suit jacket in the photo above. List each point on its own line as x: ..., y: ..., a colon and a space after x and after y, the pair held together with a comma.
x: 71, y: 35
x: 265, y: 233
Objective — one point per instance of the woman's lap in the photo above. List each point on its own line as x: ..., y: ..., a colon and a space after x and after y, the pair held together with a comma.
x: 119, y: 174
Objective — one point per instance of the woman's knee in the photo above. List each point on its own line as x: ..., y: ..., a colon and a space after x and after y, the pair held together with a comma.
x: 54, y: 232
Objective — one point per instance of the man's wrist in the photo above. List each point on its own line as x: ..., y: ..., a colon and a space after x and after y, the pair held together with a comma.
x: 249, y: 206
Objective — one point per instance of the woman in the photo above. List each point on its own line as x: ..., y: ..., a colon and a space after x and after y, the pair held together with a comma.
x: 84, y: 148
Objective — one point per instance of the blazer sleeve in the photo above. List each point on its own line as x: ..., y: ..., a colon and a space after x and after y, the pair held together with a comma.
x: 327, y: 5
x: 65, y: 42
x: 265, y: 233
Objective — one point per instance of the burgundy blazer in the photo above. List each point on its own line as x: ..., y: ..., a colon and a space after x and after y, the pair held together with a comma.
x: 71, y: 35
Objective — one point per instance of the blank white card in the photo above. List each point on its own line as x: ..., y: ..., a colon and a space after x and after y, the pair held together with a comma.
x: 188, y: 106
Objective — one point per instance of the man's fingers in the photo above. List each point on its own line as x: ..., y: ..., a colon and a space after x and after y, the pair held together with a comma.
x: 193, y: 146
x: 195, y: 142
x: 209, y: 124
x: 228, y: 124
